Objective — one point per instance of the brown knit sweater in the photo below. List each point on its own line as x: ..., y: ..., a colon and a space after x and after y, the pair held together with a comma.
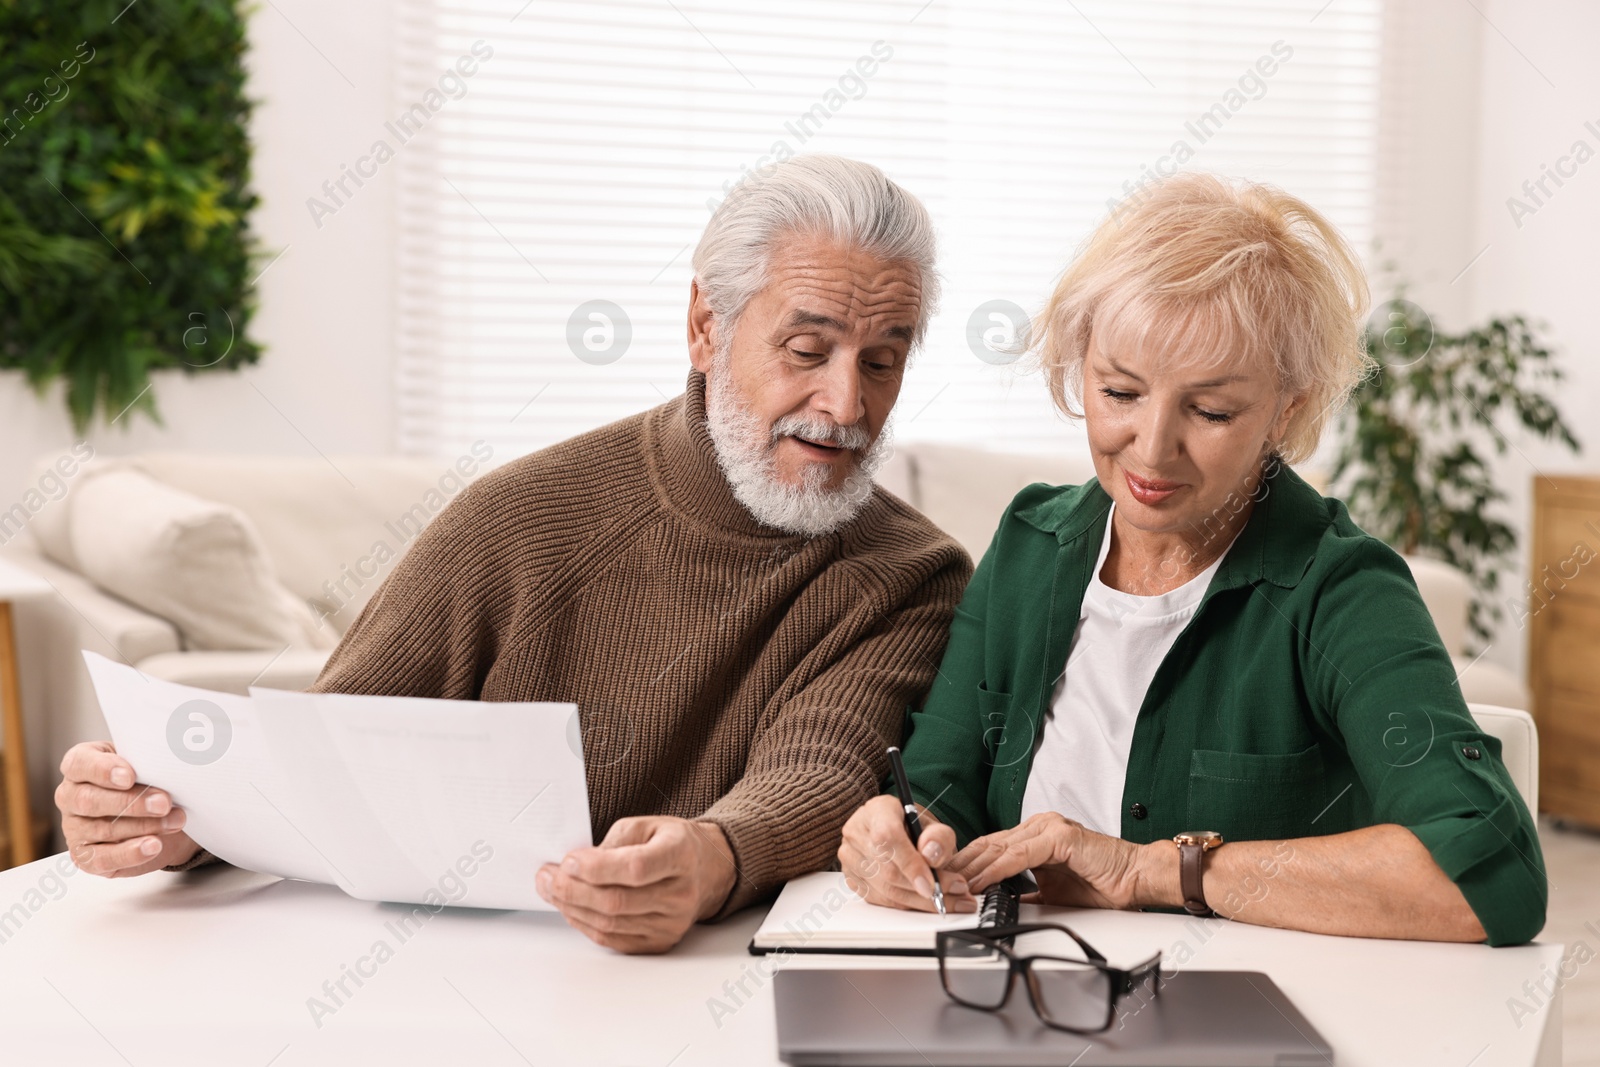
x: 722, y: 670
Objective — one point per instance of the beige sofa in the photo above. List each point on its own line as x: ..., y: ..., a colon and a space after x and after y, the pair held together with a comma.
x: 321, y: 523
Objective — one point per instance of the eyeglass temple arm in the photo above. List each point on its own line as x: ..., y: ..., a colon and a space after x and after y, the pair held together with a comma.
x: 1089, y: 950
x: 1130, y: 978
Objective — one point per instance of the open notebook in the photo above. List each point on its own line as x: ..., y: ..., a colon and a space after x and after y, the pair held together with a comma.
x: 819, y: 913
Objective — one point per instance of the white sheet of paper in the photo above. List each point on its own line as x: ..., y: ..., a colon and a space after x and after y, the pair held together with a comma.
x: 423, y: 785
x: 390, y: 798
x: 237, y: 807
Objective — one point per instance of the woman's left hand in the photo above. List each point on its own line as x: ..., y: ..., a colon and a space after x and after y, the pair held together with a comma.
x: 1074, y: 866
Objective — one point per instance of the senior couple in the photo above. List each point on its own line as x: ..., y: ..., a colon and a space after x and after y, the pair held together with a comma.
x: 1174, y: 686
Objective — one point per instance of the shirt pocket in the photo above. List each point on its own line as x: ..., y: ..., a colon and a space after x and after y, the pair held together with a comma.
x: 994, y: 710
x: 1251, y: 796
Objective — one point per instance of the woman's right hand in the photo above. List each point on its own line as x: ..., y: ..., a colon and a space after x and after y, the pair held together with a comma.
x: 114, y: 825
x: 882, y: 867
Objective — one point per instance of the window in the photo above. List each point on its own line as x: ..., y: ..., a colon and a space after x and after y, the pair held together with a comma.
x: 550, y: 201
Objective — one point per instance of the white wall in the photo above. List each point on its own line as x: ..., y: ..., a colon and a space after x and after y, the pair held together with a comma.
x: 1469, y: 115
x: 1539, y: 86
x: 1428, y: 153
x: 326, y: 306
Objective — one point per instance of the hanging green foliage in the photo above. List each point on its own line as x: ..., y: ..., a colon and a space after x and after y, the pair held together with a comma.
x: 124, y: 198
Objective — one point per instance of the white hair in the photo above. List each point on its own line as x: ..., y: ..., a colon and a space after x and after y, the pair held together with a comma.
x: 847, y: 200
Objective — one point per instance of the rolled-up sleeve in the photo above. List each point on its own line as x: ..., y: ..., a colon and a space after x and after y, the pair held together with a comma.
x: 1382, y: 673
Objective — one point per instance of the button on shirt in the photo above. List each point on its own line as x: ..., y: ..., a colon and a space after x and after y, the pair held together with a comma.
x: 1082, y: 759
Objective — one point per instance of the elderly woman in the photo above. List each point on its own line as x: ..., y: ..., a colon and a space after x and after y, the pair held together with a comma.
x: 1194, y: 682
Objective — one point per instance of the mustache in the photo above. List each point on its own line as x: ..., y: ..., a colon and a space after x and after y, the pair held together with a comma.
x: 823, y: 431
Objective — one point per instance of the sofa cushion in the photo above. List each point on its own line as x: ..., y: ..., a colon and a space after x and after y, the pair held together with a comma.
x: 198, y: 564
x: 965, y: 490
x: 333, y: 528
x: 56, y: 474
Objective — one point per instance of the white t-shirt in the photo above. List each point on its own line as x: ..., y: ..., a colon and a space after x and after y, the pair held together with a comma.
x: 1082, y: 761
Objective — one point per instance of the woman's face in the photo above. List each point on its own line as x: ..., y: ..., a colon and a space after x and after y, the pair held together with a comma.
x: 1178, y: 441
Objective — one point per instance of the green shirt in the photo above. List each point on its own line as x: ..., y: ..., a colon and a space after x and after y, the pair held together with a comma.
x: 1310, y: 694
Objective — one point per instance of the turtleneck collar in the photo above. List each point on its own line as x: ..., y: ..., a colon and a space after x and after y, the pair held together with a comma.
x: 684, y: 468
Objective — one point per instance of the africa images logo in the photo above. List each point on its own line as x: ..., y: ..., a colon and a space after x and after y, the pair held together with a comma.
x: 199, y: 732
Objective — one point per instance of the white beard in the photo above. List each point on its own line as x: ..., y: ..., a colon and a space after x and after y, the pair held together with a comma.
x: 745, y: 448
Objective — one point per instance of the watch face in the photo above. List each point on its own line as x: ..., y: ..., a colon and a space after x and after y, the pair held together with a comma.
x: 1203, y: 838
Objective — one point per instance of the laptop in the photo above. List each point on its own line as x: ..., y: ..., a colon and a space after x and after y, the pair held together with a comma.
x: 889, y: 1018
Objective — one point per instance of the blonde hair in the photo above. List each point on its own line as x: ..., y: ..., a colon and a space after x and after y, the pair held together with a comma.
x: 1236, y: 270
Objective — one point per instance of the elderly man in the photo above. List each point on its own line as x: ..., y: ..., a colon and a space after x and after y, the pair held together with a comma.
x: 740, y: 615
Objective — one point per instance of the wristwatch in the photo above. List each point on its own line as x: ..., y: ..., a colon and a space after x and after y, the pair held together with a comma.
x: 1192, y: 848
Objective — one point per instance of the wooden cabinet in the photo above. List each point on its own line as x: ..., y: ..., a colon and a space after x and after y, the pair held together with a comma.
x: 1563, y: 616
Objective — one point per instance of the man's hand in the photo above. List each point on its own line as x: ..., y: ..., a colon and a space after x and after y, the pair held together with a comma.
x: 641, y: 888
x: 1074, y: 866
x: 116, y: 826
x: 881, y: 866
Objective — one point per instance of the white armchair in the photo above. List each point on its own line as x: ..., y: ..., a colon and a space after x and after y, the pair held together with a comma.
x: 1519, y: 747
x: 1448, y: 594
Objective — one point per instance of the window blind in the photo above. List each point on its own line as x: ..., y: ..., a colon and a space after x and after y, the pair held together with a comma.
x: 549, y: 201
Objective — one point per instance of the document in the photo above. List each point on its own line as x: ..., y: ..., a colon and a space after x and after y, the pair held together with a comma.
x: 399, y: 799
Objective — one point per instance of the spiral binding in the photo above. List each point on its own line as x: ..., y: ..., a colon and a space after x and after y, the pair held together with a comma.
x: 1000, y: 904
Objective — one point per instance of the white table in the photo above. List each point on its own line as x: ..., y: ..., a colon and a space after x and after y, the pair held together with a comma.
x: 217, y: 967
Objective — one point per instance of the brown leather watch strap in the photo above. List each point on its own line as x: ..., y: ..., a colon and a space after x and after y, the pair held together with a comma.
x: 1192, y: 848
x: 1191, y: 879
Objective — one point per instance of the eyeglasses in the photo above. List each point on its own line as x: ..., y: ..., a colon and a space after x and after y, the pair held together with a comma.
x: 1069, y: 991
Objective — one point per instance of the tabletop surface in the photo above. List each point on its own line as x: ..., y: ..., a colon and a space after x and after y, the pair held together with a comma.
x: 223, y: 966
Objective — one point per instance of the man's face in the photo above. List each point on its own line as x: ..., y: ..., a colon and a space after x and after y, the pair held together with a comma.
x: 824, y: 346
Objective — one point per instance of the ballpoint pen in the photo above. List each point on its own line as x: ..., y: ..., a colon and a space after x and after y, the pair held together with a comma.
x: 913, y: 822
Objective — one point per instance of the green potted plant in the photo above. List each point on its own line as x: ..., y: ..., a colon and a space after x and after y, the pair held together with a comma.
x: 1412, y: 460
x: 124, y: 199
